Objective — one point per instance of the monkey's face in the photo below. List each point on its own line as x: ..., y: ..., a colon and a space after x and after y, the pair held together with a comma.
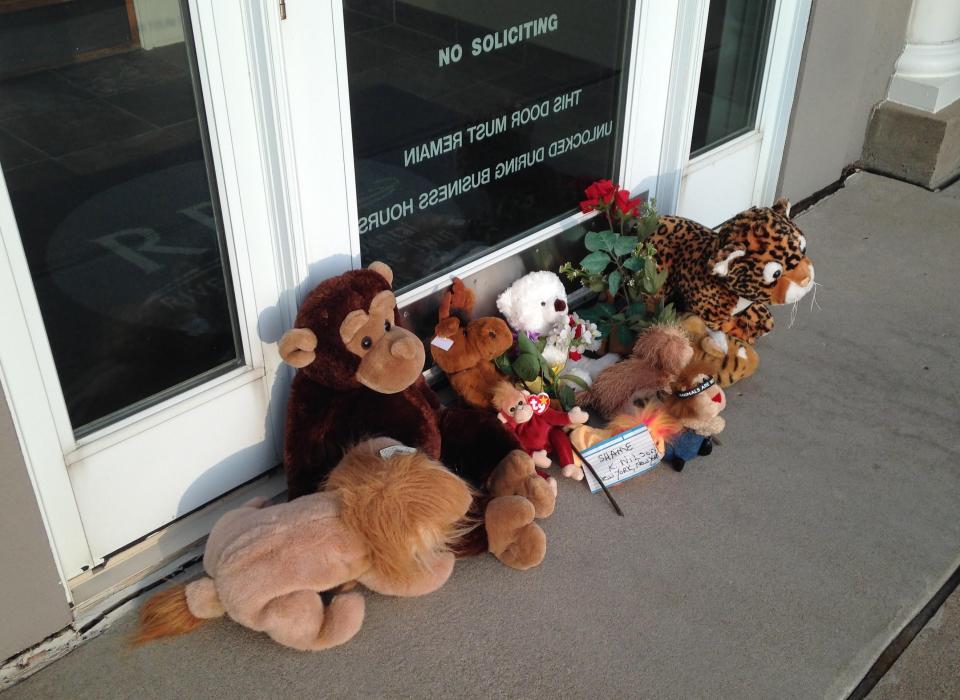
x: 517, y: 409
x: 391, y: 358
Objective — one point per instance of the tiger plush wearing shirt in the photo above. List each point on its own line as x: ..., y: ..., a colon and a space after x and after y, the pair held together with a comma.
x: 728, y: 275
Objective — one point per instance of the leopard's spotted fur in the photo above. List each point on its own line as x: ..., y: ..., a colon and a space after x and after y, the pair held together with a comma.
x: 712, y: 272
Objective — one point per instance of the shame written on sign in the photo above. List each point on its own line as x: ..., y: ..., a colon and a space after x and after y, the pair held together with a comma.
x: 621, y: 457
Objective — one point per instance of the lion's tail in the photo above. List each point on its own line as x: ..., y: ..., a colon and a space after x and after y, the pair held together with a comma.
x: 178, y: 610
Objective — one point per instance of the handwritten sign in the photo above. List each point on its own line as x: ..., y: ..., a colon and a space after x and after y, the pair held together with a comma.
x: 621, y: 457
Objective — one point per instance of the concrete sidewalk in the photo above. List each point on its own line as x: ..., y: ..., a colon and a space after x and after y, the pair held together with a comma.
x: 779, y: 567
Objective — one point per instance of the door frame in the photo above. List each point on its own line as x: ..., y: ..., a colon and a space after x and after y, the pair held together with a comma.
x: 788, y: 33
x: 231, y: 67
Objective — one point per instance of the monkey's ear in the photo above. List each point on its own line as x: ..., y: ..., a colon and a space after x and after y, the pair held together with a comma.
x: 354, y: 321
x: 383, y: 270
x: 384, y: 303
x: 298, y: 347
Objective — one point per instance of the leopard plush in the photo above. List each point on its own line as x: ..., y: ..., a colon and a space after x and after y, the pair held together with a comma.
x: 727, y: 276
x: 728, y: 364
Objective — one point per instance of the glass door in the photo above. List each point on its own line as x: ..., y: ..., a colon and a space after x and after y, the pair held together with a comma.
x: 135, y: 269
x: 745, y: 68
x: 500, y: 115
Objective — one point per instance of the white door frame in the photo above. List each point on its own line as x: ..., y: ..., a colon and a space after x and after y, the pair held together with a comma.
x: 781, y: 69
x: 231, y: 56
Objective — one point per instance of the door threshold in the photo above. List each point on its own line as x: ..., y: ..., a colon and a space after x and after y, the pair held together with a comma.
x: 131, y: 570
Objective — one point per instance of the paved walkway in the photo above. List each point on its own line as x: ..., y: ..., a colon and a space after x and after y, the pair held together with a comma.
x: 930, y: 667
x: 779, y: 567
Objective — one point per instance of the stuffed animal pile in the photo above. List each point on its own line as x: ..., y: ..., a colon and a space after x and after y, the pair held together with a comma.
x: 386, y: 485
x: 536, y: 304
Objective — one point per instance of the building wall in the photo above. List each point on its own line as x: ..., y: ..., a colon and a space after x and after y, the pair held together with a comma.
x: 849, y: 56
x: 32, y: 602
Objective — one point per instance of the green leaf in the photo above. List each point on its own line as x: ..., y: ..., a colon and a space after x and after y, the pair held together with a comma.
x: 595, y: 263
x: 503, y: 364
x: 624, y: 335
x: 592, y: 241
x: 633, y: 263
x: 660, y: 278
x: 525, y: 345
x: 607, y: 309
x: 624, y: 245
x: 574, y: 379
x: 608, y: 240
x: 545, y: 369
x: 647, y: 226
x: 667, y: 314
x: 637, y: 308
x: 649, y: 284
x: 598, y: 313
x: 567, y: 397
x: 614, y: 282
x: 527, y: 367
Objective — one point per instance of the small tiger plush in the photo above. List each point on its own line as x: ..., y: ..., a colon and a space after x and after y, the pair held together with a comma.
x: 728, y: 364
x: 727, y: 276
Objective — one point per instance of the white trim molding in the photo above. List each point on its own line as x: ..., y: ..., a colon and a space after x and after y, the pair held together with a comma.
x: 788, y: 35
x: 691, y: 31
x: 927, y: 76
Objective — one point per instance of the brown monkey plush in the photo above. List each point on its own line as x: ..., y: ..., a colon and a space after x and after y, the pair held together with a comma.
x: 465, y: 349
x: 360, y: 376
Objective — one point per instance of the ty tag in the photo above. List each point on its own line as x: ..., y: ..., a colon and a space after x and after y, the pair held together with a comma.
x: 388, y: 452
x: 442, y: 343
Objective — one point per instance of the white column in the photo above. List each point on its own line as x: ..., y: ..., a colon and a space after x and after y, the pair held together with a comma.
x: 928, y: 72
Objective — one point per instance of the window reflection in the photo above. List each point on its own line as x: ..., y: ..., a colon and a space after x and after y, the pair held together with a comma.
x: 102, y: 148
x: 474, y: 123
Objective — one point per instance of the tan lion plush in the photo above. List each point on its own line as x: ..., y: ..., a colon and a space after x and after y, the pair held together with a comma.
x: 386, y: 521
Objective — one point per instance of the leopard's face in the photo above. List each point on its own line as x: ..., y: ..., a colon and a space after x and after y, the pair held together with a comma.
x: 764, y: 256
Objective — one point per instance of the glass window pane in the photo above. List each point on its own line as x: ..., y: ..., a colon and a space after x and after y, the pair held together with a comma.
x: 103, y: 149
x: 734, y: 54
x: 474, y: 123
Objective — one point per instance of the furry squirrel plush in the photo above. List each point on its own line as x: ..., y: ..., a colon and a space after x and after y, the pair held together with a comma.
x: 728, y: 365
x: 727, y: 276
x: 695, y: 402
x: 465, y: 349
x: 539, y: 427
x: 359, y: 375
x: 536, y: 304
x: 386, y: 520
x: 659, y: 354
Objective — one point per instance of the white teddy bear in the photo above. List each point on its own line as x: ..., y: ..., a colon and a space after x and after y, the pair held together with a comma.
x: 536, y: 304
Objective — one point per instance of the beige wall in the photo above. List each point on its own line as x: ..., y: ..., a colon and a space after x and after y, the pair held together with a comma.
x: 32, y: 603
x: 848, y: 59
